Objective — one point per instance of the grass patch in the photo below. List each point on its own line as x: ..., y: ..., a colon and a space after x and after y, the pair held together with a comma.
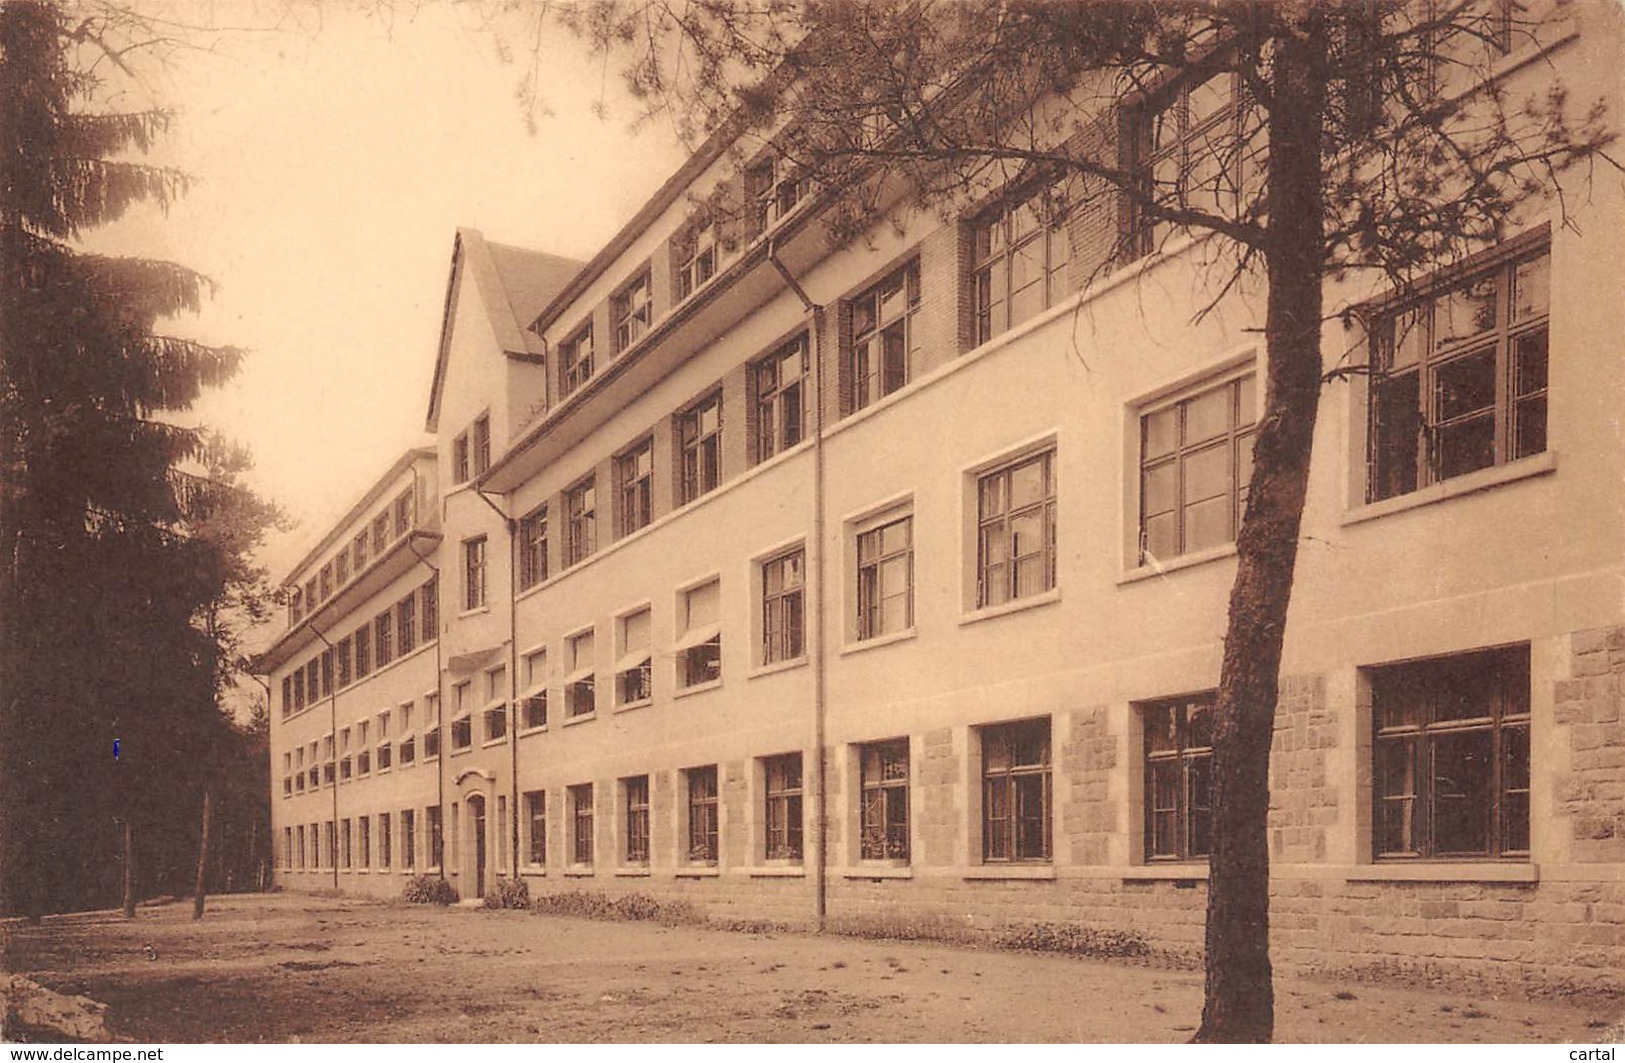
x: 509, y: 893
x: 428, y: 889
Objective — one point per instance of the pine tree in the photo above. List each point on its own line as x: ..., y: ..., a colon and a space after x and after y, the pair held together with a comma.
x: 103, y: 580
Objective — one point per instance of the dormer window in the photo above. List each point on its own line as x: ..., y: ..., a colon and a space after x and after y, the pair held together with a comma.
x: 776, y: 188
x: 482, y: 443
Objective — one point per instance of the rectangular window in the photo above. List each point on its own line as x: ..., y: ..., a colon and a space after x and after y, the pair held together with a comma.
x: 777, y: 188
x: 580, y: 684
x: 406, y: 626
x: 1451, y: 756
x: 533, y: 547
x: 437, y: 843
x: 430, y: 594
x: 363, y: 841
x: 330, y: 831
x: 1016, y: 791
x: 696, y: 257
x: 782, y: 784
x: 482, y: 443
x: 636, y: 790
x: 1015, y: 533
x: 474, y: 573
x: 327, y: 581
x: 884, y: 341
x: 296, y: 611
x: 1021, y: 251
x: 580, y: 521
x: 699, y: 447
x: 702, y: 815
x: 633, y: 679
x: 634, y: 487
x: 1178, y: 778
x: 575, y: 361
x: 346, y: 847
x: 496, y: 712
x: 383, y: 642
x: 462, y: 730
x: 311, y: 600
x: 535, y: 828
x: 359, y: 553
x: 784, y: 606
x: 460, y: 469
x: 885, y: 594
x: 341, y: 568
x: 580, y: 799
x: 781, y: 400
x: 632, y: 312
x: 407, y: 751
x: 534, y: 708
x: 380, y: 533
x: 1181, y: 148
x: 327, y: 672
x: 699, y: 650
x: 363, y: 651
x: 385, y: 839
x: 301, y: 845
x: 405, y: 506
x: 1458, y: 379
x: 883, y: 775
x: 1196, y: 461
x: 341, y: 662
x: 409, y: 838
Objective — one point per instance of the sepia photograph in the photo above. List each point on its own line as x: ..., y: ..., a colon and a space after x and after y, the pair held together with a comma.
x: 812, y: 521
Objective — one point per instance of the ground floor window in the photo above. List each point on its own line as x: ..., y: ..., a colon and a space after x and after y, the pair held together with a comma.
x: 1178, y: 777
x: 536, y: 831
x: 580, y: 798
x: 702, y: 815
x: 637, y: 820
x: 883, y: 773
x: 1016, y: 791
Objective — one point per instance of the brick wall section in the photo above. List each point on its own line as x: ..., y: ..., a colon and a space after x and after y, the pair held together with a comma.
x: 1303, y: 798
x: 936, y: 322
x: 835, y: 801
x: 736, y: 441
x: 936, y: 811
x: 1088, y: 756
x: 1094, y: 224
x: 1591, y: 793
x: 734, y: 801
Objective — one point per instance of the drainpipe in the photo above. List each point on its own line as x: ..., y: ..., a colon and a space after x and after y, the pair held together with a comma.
x: 513, y: 682
x: 816, y: 563
x: 440, y: 704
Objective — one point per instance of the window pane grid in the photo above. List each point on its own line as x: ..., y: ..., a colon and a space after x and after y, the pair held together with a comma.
x: 883, y: 770
x: 784, y: 833
x: 1016, y: 795
x: 1016, y: 531
x: 699, y: 439
x: 1195, y: 464
x: 637, y: 820
x: 702, y: 815
x: 884, y: 342
x: 886, y: 579
x: 783, y: 617
x: 634, y: 473
x: 1178, y: 778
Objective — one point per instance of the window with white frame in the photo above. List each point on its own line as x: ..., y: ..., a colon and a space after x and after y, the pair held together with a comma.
x: 699, y: 448
x: 781, y: 778
x: 884, y: 337
x: 780, y: 407
x: 784, y: 606
x: 580, y: 521
x: 883, y: 788
x: 634, y: 666
x: 1022, y: 251
x: 632, y: 312
x: 1015, y: 529
x: 575, y: 361
x: 580, y: 684
x: 885, y: 575
x: 533, y: 709
x: 776, y: 187
x: 1183, y: 151
x: 634, y: 487
x: 699, y: 648
x: 1458, y: 378
x: 1016, y: 796
x: 1196, y: 460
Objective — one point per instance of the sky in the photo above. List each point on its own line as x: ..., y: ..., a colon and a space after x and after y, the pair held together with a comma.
x: 334, y: 156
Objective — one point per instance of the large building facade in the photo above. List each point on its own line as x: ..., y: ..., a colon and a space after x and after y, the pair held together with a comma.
x: 804, y: 582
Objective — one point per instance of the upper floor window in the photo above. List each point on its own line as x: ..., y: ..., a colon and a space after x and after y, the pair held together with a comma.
x: 383, y: 641
x: 534, y: 706
x: 632, y: 312
x: 1450, y: 756
x: 580, y: 521
x: 781, y: 413
x: 406, y: 624
x: 1196, y: 461
x: 1015, y: 530
x: 776, y: 187
x: 481, y: 433
x: 699, y: 445
x: 575, y: 361
x: 533, y: 547
x: 296, y: 610
x: 884, y: 340
x: 580, y: 697
x: 460, y: 470
x: 1016, y: 798
x: 474, y: 573
x: 1459, y: 378
x: 1182, y: 148
x: 1021, y: 250
x: 784, y: 606
x: 429, y: 593
x: 341, y: 568
x: 380, y: 533
x: 885, y: 595
x: 696, y: 257
x: 699, y: 649
x: 1178, y: 778
x: 358, y: 552
x: 634, y: 668
x: 327, y: 581
x: 405, y: 506
x: 634, y: 486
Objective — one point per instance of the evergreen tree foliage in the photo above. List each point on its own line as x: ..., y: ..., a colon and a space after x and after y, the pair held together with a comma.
x: 124, y: 536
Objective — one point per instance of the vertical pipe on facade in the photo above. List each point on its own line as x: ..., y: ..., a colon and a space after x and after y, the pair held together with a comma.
x: 513, y: 683
x: 439, y: 702
x: 816, y: 564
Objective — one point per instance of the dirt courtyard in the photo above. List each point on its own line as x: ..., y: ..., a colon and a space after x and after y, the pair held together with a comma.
x: 285, y: 967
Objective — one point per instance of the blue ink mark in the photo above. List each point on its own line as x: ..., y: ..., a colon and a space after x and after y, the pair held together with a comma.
x: 115, y: 749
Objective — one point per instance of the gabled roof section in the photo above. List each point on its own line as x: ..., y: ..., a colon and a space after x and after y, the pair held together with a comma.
x: 514, y: 285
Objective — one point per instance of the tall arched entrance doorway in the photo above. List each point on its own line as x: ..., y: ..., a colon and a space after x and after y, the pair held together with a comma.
x: 476, y: 817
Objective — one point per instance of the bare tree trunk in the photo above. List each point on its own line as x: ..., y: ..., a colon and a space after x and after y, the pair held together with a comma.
x: 202, y: 862
x: 129, y: 870
x: 1239, y: 1001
